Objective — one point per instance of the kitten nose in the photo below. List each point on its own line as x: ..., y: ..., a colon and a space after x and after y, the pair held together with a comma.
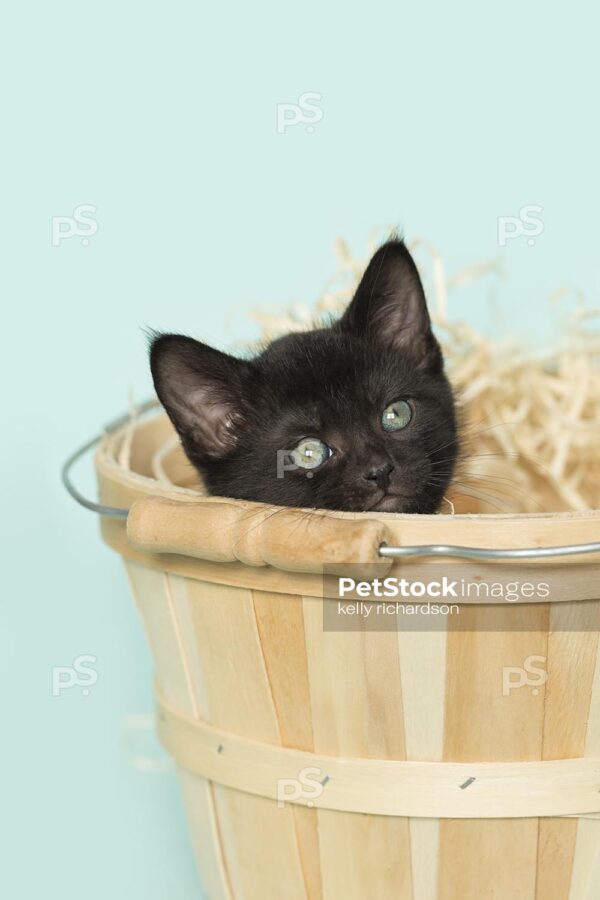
x: 380, y: 474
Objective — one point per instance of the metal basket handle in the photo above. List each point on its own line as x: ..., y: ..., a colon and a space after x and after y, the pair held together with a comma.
x: 112, y: 512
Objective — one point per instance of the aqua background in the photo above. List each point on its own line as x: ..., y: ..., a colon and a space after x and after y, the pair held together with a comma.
x: 437, y: 118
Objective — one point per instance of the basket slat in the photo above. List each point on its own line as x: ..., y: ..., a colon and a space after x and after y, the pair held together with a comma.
x: 161, y: 601
x: 572, y: 649
x: 280, y: 624
x: 225, y: 630
x: 481, y: 723
x: 343, y: 696
x: 585, y: 884
x: 422, y: 658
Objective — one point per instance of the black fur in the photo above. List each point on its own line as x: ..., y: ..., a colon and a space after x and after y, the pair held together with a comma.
x: 238, y: 419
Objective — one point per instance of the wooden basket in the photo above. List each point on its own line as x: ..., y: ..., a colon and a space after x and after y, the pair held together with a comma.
x: 408, y: 771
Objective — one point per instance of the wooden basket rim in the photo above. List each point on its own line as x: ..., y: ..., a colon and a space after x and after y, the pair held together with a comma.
x: 108, y: 466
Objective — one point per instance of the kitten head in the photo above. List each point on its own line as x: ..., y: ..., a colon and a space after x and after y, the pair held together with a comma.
x: 355, y: 416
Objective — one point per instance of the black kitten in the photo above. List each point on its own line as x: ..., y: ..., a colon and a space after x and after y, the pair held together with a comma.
x: 355, y: 416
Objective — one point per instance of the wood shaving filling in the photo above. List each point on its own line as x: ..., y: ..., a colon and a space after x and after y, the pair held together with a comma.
x: 531, y: 419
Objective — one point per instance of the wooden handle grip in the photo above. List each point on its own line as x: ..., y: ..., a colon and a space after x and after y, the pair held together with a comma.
x: 222, y: 530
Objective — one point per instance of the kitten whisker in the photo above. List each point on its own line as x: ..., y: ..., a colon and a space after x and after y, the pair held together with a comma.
x: 468, y: 491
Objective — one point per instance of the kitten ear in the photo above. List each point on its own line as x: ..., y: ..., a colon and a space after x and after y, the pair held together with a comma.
x: 202, y: 391
x: 389, y: 305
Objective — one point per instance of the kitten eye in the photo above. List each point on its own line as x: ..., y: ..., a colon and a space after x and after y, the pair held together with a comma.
x: 396, y: 416
x: 310, y: 453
